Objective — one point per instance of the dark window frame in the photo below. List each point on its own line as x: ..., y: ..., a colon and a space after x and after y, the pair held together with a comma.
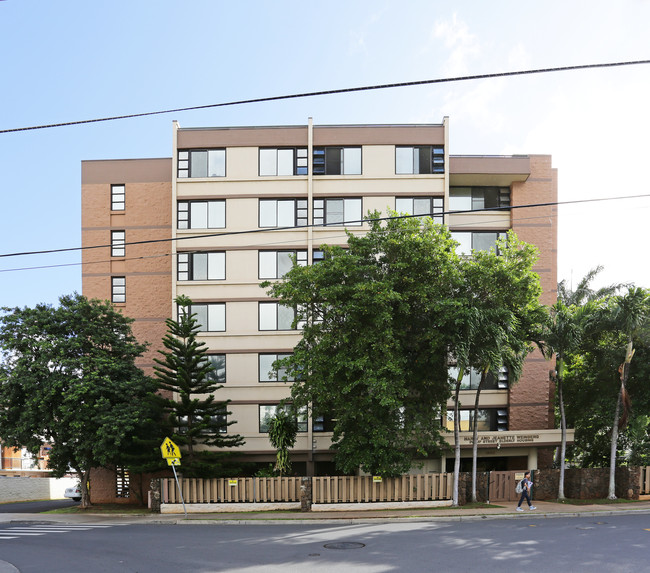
x: 188, y: 210
x: 278, y: 356
x: 324, y: 162
x: 118, y: 245
x: 206, y: 304
x: 277, y: 321
x: 298, y: 167
x: 188, y: 267
x: 436, y: 212
x: 118, y: 291
x: 321, y: 218
x: 434, y: 163
x: 184, y: 164
x: 118, y: 197
x: 300, y: 254
x: 300, y: 212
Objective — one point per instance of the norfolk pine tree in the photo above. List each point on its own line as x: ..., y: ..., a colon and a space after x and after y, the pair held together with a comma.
x: 69, y: 378
x: 198, y: 420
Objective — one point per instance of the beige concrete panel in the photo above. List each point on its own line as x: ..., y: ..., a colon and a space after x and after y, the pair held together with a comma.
x: 358, y: 186
x: 378, y: 161
x: 262, y: 341
x: 489, y: 398
x: 251, y: 186
x: 242, y: 266
x: 241, y: 369
x: 499, y: 221
x: 241, y: 162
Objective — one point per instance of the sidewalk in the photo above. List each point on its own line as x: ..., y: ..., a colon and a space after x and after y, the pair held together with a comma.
x: 544, y: 509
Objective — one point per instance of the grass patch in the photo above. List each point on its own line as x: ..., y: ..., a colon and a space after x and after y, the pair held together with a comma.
x: 603, y: 501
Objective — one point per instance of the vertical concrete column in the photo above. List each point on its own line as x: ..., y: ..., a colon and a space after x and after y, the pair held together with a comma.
x: 532, y: 459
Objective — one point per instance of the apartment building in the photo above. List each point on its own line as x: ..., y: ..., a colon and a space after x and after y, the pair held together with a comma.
x: 232, y: 205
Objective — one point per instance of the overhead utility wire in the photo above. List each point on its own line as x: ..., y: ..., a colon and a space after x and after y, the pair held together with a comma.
x: 256, y: 245
x: 337, y: 91
x: 323, y: 225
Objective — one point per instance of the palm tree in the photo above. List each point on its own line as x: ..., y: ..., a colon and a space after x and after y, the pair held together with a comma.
x: 629, y: 313
x: 565, y: 329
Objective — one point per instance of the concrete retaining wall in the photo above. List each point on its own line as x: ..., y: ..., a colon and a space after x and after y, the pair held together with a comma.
x: 33, y: 488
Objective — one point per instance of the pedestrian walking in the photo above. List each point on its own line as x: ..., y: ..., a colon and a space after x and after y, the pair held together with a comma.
x: 526, y: 486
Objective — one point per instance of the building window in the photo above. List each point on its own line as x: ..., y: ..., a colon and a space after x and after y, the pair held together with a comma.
x: 337, y: 161
x: 220, y: 419
x: 267, y: 373
x: 420, y: 159
x: 201, y: 163
x: 274, y: 316
x: 210, y: 317
x: 201, y: 266
x: 317, y: 256
x: 275, y: 264
x: 218, y: 362
x: 472, y: 379
x: 122, y: 481
x: 488, y: 420
x: 337, y: 212
x: 118, y: 289
x: 475, y: 241
x: 118, y: 194
x: 429, y: 206
x: 323, y: 424
x: 283, y: 213
x: 267, y: 412
x: 201, y: 214
x: 283, y: 161
x: 118, y: 243
x: 476, y: 198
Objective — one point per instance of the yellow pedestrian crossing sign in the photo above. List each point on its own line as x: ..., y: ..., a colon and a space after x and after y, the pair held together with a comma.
x: 170, y: 450
x: 173, y: 461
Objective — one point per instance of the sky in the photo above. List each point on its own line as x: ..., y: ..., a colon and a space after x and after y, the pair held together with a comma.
x: 74, y: 59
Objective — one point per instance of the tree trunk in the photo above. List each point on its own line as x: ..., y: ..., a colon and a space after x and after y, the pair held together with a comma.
x: 560, y: 489
x: 83, y: 484
x: 475, y: 436
x: 454, y: 502
x: 622, y: 402
x: 612, y: 453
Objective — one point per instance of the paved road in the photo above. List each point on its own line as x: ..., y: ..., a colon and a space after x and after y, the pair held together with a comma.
x: 587, y: 544
x: 36, y: 506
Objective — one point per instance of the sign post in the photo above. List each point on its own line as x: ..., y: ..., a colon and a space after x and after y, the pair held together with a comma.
x: 172, y: 454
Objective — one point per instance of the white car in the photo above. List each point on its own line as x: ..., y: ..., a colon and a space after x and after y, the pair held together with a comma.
x: 73, y: 493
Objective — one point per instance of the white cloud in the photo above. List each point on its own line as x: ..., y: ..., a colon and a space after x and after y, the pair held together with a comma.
x: 462, y: 45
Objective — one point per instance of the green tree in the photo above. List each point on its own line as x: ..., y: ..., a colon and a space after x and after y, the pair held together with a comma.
x: 502, y: 291
x: 69, y: 378
x: 283, y: 430
x: 379, y: 317
x: 197, y: 418
x: 563, y: 336
x: 629, y: 314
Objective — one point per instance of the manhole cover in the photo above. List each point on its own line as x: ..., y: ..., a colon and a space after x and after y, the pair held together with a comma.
x: 344, y: 545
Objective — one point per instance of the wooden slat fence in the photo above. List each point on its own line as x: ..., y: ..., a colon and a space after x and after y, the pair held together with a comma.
x: 331, y: 489
x: 354, y: 489
x: 645, y: 480
x: 235, y: 490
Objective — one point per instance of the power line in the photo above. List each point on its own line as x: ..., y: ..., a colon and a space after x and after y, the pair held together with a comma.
x: 337, y: 91
x: 270, y: 229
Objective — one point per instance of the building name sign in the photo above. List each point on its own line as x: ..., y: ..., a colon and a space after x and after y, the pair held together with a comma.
x: 506, y: 439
